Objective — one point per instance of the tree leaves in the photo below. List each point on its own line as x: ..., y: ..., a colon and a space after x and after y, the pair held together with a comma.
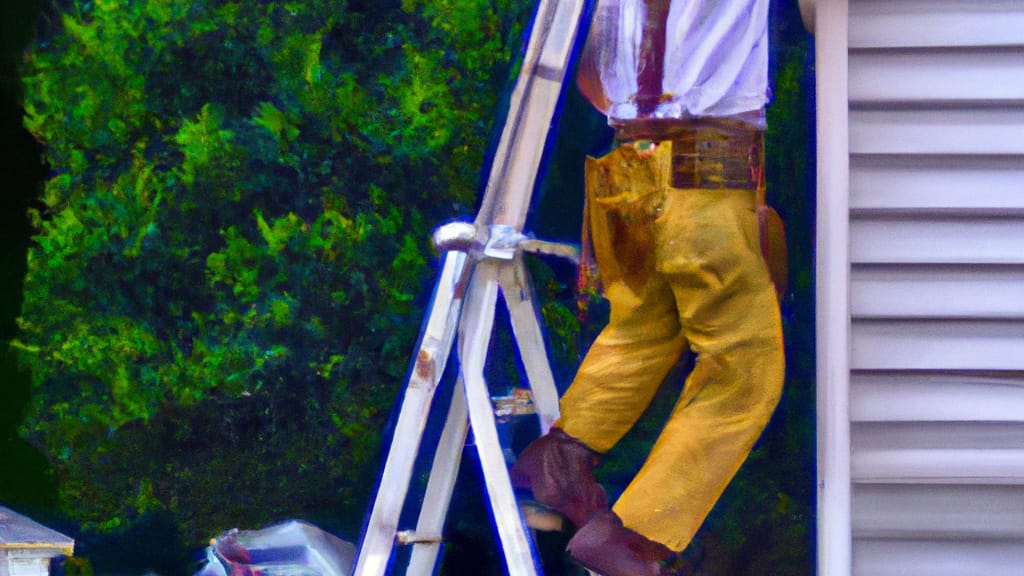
x: 232, y: 248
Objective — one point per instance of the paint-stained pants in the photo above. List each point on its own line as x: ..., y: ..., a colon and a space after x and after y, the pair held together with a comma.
x: 681, y: 269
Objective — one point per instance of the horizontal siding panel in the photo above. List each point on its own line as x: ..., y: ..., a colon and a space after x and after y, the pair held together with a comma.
x: 977, y: 130
x: 938, y: 452
x: 938, y: 435
x: 936, y: 90
x: 934, y: 345
x: 900, y: 291
x: 936, y: 240
x: 932, y: 511
x: 936, y: 75
x: 928, y: 397
x: 966, y: 184
x: 924, y: 23
x: 971, y: 466
x: 937, y: 558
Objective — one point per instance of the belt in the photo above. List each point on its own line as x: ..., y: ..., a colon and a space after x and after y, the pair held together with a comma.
x: 715, y: 155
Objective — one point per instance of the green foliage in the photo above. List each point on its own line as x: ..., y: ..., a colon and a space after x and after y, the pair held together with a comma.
x: 231, y: 250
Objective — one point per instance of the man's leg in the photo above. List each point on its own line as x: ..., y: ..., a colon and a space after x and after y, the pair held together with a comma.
x: 708, y: 250
x: 624, y: 367
x: 617, y: 380
x: 707, y: 438
x: 632, y: 355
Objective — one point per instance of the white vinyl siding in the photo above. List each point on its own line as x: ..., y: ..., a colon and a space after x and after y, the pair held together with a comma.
x: 936, y: 228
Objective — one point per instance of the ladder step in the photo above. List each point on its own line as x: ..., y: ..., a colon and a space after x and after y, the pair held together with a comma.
x: 406, y: 537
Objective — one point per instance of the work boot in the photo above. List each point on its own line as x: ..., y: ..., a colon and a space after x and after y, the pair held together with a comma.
x: 560, y: 471
x: 607, y: 547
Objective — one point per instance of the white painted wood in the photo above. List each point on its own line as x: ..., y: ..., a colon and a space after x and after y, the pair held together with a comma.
x: 975, y: 130
x: 960, y: 557
x: 930, y: 345
x: 937, y: 240
x: 936, y: 23
x: 833, y: 272
x: 29, y: 561
x: 900, y: 291
x: 930, y: 397
x: 965, y: 185
x: 937, y: 76
x: 962, y: 512
x: 29, y: 567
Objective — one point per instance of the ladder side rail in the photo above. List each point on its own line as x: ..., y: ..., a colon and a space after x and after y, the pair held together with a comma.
x: 474, y: 337
x: 531, y: 110
x: 526, y: 327
x: 431, y: 356
x: 438, y: 495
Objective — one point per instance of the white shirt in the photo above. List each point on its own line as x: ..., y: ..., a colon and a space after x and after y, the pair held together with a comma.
x: 714, y: 64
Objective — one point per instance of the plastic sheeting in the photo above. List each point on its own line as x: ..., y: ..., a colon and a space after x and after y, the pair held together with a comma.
x: 292, y: 548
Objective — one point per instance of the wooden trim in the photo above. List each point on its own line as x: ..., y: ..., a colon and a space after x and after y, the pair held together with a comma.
x: 67, y: 549
x: 832, y: 275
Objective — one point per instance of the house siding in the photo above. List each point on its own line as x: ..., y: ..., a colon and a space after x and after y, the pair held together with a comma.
x: 936, y: 232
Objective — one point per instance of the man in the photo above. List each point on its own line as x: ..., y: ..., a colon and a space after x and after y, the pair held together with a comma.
x: 673, y: 219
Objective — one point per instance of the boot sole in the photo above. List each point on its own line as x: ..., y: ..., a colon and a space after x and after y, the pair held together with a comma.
x: 539, y: 517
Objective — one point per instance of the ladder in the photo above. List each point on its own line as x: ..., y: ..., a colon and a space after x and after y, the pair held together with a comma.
x: 480, y: 260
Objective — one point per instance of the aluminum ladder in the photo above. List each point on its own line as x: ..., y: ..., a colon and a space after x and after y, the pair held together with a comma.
x: 479, y: 260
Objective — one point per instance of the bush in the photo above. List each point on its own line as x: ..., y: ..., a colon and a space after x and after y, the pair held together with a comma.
x: 230, y: 252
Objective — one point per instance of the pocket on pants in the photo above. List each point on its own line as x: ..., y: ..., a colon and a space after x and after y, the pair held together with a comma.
x: 624, y: 195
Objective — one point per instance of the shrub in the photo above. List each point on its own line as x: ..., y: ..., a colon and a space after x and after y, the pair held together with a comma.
x: 230, y: 252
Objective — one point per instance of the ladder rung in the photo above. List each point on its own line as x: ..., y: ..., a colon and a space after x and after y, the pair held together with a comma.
x: 547, y: 248
x: 413, y: 537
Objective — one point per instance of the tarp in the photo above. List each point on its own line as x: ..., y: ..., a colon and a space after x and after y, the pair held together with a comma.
x: 292, y: 548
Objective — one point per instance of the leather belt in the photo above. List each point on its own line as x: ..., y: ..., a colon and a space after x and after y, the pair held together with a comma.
x: 716, y: 155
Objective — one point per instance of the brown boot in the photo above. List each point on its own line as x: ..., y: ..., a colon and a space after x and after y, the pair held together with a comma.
x: 607, y: 547
x: 560, y: 471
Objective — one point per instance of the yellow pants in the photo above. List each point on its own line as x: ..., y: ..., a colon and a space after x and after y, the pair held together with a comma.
x: 681, y: 269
